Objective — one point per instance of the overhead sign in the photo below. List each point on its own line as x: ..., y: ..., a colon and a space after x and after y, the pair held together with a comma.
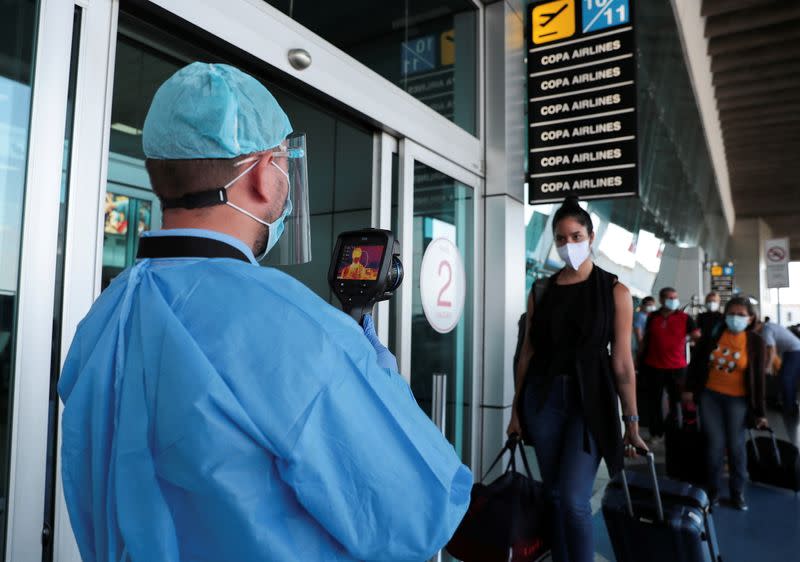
x: 581, y: 100
x: 777, y: 254
x: 722, y: 281
x: 442, y: 285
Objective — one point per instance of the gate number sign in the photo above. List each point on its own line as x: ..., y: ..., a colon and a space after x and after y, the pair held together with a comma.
x: 442, y: 285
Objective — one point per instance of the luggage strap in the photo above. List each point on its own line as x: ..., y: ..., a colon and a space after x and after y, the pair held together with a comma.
x: 511, y: 446
x: 774, y: 444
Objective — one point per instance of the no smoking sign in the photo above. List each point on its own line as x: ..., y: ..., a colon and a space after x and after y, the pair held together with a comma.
x: 442, y: 285
x: 776, y: 254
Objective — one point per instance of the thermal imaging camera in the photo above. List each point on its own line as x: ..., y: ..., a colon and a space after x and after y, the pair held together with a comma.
x: 365, y: 269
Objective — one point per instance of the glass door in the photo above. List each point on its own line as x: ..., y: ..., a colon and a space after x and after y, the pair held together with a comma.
x: 436, y: 330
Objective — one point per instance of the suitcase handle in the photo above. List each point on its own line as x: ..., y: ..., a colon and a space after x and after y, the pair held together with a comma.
x: 775, y: 449
x: 651, y: 464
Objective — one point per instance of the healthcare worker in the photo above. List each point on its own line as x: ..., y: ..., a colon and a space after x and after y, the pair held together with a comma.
x: 218, y: 410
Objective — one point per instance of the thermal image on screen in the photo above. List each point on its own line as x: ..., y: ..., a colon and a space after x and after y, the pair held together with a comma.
x: 359, y: 263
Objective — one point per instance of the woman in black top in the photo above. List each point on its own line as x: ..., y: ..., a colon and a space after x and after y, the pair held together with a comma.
x: 567, y: 384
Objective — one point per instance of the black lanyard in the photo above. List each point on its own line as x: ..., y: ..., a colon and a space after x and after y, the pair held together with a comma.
x: 187, y: 247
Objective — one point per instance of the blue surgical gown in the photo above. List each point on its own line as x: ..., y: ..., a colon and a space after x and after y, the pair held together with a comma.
x: 216, y: 410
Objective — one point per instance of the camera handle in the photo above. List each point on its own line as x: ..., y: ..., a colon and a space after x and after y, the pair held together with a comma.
x: 357, y: 312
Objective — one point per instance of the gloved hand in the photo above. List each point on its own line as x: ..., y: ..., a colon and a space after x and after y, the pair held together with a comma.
x: 385, y: 357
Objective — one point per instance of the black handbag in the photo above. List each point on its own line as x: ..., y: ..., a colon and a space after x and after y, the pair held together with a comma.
x: 507, y: 520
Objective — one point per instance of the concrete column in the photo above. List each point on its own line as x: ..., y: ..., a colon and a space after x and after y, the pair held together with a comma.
x: 681, y: 269
x: 504, y: 275
x: 747, y: 252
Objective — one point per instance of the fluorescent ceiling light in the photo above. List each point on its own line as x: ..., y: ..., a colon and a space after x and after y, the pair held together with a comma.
x: 127, y: 129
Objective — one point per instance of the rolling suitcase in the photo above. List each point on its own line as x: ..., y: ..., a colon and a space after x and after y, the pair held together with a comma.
x: 658, y: 521
x: 773, y: 461
x: 685, y: 446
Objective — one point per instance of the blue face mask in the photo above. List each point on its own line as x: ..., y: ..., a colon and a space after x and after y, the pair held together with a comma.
x: 737, y: 323
x: 672, y: 304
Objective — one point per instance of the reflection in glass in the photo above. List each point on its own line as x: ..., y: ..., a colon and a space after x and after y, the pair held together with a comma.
x: 18, y: 36
x: 443, y: 208
x: 427, y: 49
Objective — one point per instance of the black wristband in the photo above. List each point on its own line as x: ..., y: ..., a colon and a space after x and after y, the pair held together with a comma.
x: 630, y: 419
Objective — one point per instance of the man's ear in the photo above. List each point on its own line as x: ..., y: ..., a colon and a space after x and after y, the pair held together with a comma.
x: 260, y: 184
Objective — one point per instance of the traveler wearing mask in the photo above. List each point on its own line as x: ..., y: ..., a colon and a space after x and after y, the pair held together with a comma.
x: 218, y: 410
x: 646, y: 308
x: 728, y: 369
x: 782, y: 343
x: 663, y: 357
x: 568, y: 386
x: 712, y: 315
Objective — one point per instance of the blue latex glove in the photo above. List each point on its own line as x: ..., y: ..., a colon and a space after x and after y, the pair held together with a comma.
x: 385, y: 357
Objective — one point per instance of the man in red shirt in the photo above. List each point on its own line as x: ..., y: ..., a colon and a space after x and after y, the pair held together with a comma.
x: 664, y: 358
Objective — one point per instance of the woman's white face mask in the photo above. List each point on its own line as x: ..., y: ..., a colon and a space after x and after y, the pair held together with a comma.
x: 574, y: 253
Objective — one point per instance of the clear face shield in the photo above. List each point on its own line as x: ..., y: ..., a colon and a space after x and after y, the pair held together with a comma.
x: 294, y: 245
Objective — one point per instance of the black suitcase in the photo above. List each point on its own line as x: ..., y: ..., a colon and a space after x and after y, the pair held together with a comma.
x: 685, y: 446
x: 652, y: 520
x: 773, y: 461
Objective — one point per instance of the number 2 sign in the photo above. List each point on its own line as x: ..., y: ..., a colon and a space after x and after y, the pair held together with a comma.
x: 442, y: 285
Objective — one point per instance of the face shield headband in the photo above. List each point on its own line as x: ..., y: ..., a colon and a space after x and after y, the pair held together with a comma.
x: 289, y: 237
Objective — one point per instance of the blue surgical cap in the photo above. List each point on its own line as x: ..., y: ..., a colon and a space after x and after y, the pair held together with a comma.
x: 212, y: 111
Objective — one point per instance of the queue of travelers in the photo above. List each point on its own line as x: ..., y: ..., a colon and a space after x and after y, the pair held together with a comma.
x: 581, y: 337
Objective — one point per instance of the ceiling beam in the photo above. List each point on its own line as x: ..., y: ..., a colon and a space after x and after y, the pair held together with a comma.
x: 717, y: 7
x: 760, y: 87
x: 746, y: 40
x: 759, y: 73
x: 730, y: 116
x: 783, y: 51
x: 751, y: 18
x: 771, y: 99
x: 762, y: 124
x: 749, y: 140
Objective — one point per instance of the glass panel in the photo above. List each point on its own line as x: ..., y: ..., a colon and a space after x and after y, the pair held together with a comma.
x: 339, y: 166
x: 427, y: 50
x: 17, y: 40
x: 56, y: 351
x: 443, y: 208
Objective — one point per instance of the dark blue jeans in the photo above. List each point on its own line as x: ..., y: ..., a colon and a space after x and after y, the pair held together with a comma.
x: 568, y: 471
x: 790, y: 371
x: 724, y: 420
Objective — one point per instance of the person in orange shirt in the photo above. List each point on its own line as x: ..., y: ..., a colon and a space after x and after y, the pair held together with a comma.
x: 728, y: 368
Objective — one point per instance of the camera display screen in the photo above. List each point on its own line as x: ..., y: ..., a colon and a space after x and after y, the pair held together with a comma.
x: 359, y: 261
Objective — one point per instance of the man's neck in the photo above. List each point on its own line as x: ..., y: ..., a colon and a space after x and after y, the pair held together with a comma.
x: 218, y: 220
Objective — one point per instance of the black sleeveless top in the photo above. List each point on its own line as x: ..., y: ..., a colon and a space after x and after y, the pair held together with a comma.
x: 565, y: 324
x: 572, y: 328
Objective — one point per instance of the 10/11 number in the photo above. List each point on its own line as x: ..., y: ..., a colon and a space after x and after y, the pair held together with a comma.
x: 610, y: 13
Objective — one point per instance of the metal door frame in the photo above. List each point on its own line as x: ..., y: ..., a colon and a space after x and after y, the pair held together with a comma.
x: 411, y: 152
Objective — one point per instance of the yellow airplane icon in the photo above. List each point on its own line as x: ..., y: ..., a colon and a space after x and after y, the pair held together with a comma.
x: 553, y: 21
